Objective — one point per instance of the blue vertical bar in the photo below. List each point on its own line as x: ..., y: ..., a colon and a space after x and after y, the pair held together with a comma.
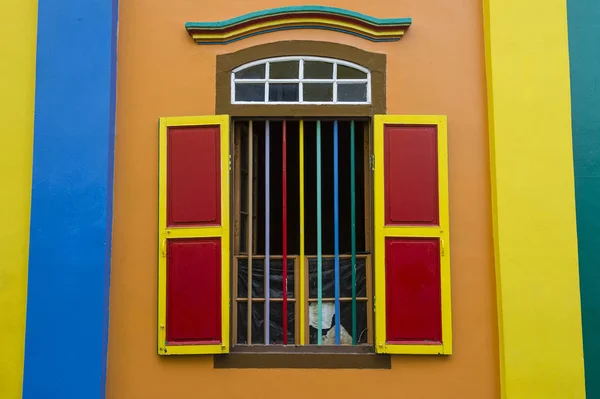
x: 267, y: 232
x: 336, y: 234
x: 66, y: 340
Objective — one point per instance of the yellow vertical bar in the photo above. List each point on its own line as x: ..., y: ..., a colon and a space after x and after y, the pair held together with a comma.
x: 17, y: 85
x: 533, y: 199
x: 442, y: 136
x: 162, y: 227
x: 301, y: 255
x: 379, y: 256
x: 225, y: 235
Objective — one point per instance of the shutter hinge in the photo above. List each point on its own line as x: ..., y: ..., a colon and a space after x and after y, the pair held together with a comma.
x: 230, y: 162
x: 163, y: 249
x: 372, y: 161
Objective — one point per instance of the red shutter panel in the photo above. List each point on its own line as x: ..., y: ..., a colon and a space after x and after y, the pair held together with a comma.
x: 413, y: 299
x: 193, y: 176
x: 194, y: 236
x: 411, y: 178
x: 193, y: 291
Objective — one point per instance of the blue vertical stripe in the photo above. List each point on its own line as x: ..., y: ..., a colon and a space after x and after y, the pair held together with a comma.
x: 71, y: 206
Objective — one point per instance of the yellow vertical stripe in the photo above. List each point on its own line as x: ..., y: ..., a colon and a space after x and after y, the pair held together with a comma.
x: 535, y: 238
x: 17, y: 85
x: 301, y: 257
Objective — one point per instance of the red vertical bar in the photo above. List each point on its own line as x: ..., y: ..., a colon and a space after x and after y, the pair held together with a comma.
x: 284, y: 232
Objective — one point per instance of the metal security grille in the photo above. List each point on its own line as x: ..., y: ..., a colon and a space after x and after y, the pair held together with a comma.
x: 302, y: 217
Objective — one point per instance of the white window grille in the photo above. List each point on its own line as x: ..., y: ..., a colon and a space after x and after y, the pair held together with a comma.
x: 300, y: 80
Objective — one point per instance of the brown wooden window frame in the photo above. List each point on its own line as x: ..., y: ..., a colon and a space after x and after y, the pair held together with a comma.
x: 312, y: 357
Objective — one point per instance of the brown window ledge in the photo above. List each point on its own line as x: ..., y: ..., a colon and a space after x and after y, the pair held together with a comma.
x: 302, y: 357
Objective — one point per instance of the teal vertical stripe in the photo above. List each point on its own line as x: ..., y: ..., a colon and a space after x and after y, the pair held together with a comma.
x: 319, y: 243
x: 584, y: 50
x: 353, y: 234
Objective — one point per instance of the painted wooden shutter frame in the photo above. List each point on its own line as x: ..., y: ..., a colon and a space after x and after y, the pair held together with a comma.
x: 221, y: 231
x: 441, y: 232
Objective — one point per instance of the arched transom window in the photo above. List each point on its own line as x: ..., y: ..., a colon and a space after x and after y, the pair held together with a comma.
x: 301, y: 80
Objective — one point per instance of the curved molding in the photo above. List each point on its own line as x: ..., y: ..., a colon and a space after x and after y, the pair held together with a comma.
x: 299, y: 17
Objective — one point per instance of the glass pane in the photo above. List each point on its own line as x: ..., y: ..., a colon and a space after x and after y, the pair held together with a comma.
x: 244, y: 191
x: 286, y: 92
x: 318, y: 92
x: 258, y: 322
x: 328, y: 323
x: 318, y: 70
x: 276, y: 278
x: 276, y: 323
x: 346, y: 72
x: 242, y: 322
x: 284, y: 70
x: 345, y: 277
x: 255, y: 72
x: 258, y: 278
x: 254, y: 92
x: 327, y: 278
x: 242, y: 285
x: 243, y: 231
x: 352, y: 92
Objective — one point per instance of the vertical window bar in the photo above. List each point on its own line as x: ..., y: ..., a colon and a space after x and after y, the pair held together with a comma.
x: 284, y: 230
x: 353, y: 233
x: 249, y: 226
x: 335, y: 85
x: 300, y: 85
x: 336, y: 232
x: 319, y: 244
x: 301, y: 255
x: 267, y: 232
x: 232, y: 87
x: 267, y: 72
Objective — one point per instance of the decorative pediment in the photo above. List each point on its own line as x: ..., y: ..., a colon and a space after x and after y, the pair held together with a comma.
x: 299, y: 17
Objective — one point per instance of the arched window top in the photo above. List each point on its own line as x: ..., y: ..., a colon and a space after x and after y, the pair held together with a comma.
x: 300, y: 80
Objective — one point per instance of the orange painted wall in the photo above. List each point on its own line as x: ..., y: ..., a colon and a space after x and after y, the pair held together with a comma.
x: 437, y: 68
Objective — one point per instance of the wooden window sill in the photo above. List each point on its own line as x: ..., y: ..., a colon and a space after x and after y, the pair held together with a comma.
x: 303, y: 357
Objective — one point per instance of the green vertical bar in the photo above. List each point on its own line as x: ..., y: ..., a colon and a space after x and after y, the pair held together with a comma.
x: 319, y: 248
x: 353, y: 222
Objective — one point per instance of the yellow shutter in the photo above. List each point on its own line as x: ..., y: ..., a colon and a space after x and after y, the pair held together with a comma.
x: 198, y: 238
x: 425, y: 235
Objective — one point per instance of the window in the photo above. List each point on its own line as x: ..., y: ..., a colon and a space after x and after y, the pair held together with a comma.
x: 300, y: 80
x: 307, y: 175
